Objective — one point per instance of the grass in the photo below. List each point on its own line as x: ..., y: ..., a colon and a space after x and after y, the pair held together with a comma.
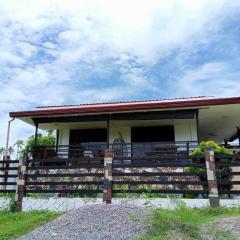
x: 16, y: 224
x: 183, y: 222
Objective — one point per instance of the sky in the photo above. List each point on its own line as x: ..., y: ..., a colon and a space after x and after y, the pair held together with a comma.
x: 68, y: 52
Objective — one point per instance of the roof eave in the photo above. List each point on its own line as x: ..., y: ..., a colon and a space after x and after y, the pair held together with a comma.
x: 126, y: 107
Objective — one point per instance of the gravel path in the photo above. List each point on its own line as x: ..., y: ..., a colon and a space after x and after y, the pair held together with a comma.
x: 97, y: 222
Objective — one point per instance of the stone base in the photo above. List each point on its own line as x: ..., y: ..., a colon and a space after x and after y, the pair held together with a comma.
x: 214, y: 201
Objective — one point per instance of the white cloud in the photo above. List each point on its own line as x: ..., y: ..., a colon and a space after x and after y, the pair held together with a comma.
x: 50, y: 49
x: 215, y: 78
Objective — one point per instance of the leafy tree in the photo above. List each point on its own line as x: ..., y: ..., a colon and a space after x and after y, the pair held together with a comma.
x: 42, y: 141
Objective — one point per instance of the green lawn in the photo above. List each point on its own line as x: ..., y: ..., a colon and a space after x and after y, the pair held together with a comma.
x: 183, y: 222
x: 13, y: 225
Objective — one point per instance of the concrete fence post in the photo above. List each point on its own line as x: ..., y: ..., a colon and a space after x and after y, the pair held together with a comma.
x: 211, y: 178
x: 21, y: 183
x: 107, y: 186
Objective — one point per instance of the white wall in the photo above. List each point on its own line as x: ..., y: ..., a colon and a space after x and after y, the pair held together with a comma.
x: 64, y: 136
x: 69, y: 204
x: 185, y: 130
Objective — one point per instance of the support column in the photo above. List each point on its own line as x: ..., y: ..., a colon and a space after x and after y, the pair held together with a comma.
x: 108, y: 133
x: 238, y: 131
x: 57, y: 140
x: 21, y: 183
x: 225, y: 143
x: 211, y: 178
x: 197, y: 125
x: 36, y: 134
x: 107, y: 187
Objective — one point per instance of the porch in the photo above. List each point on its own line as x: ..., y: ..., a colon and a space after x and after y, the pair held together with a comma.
x: 88, y: 152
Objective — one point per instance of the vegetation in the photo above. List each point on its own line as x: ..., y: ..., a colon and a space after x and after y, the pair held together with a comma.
x: 13, y: 225
x: 42, y: 141
x: 19, y: 144
x: 21, y: 147
x: 215, y: 147
x: 218, y: 151
x: 183, y: 223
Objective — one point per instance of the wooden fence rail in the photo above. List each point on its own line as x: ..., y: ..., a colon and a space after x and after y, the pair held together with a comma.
x: 204, y: 175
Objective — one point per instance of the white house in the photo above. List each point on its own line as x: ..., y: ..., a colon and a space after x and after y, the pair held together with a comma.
x: 143, y: 125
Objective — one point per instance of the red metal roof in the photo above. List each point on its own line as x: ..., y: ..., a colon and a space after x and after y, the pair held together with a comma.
x: 125, y: 106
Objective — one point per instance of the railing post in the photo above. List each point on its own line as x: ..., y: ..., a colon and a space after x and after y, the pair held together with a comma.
x: 21, y: 183
x: 211, y: 178
x: 107, y: 187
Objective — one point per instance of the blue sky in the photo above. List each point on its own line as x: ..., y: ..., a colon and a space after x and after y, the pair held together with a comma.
x: 55, y: 52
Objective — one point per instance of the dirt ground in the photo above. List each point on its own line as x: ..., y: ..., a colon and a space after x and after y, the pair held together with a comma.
x: 227, y: 228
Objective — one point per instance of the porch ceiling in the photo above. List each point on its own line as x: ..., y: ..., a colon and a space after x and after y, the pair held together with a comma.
x: 125, y: 116
x: 219, y: 122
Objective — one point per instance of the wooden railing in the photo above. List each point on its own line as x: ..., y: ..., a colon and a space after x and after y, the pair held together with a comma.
x: 134, y: 149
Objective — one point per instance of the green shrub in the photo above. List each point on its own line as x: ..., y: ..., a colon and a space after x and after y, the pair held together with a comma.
x: 218, y: 151
x: 215, y: 147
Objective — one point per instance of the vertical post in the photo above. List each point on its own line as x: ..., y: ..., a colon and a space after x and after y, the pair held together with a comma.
x: 107, y: 186
x: 108, y: 135
x: 225, y: 143
x: 36, y: 134
x: 187, y: 150
x: 211, y: 178
x: 21, y: 183
x: 238, y: 132
x: 197, y: 125
x: 57, y: 140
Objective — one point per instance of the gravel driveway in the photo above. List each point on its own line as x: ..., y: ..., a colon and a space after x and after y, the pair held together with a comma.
x: 98, y: 222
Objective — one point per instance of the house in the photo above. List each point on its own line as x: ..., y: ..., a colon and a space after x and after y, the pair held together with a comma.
x: 137, y: 127
x: 148, y: 143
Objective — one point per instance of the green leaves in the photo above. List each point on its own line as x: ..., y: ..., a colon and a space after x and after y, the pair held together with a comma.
x: 45, y: 141
x: 215, y: 147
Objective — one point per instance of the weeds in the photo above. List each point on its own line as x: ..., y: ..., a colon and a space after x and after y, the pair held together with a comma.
x: 183, y: 222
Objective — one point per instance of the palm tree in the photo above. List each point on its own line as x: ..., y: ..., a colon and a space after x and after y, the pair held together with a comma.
x: 2, y: 150
x: 19, y: 143
x: 10, y: 150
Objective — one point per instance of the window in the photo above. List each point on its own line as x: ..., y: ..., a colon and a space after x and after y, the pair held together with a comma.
x: 153, y: 134
x: 78, y: 136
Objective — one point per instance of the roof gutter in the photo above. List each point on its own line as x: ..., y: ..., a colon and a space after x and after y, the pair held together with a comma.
x: 7, y: 140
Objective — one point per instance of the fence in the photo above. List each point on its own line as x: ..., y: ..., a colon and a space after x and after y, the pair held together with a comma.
x: 8, y: 175
x: 158, y: 175
x: 205, y: 175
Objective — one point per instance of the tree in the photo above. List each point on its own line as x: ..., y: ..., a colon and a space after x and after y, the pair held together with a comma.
x: 10, y: 150
x: 2, y: 151
x: 42, y: 141
x: 19, y: 144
